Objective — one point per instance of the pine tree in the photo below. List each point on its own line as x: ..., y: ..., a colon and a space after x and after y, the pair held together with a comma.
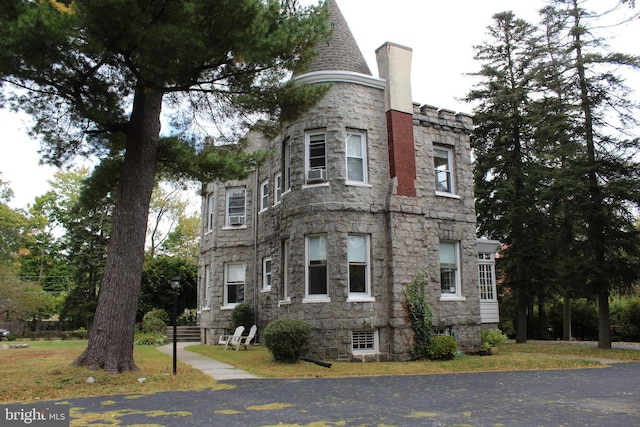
x: 605, y: 172
x: 96, y: 76
x: 508, y: 175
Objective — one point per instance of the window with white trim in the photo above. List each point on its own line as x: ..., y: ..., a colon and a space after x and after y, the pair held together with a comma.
x: 286, y: 164
x: 487, y: 277
x: 277, y: 188
x: 442, y: 159
x: 316, y: 157
x: 356, y: 150
x: 284, y: 292
x: 358, y: 258
x: 364, y: 341
x: 209, y: 215
x: 264, y: 195
x: 206, y: 300
x: 316, y: 274
x: 449, y: 269
x: 266, y: 273
x: 236, y: 207
x: 234, y: 281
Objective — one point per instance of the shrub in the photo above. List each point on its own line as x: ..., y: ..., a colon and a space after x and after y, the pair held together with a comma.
x: 80, y: 334
x: 242, y: 315
x: 155, y: 321
x: 287, y: 339
x: 492, y: 338
x: 625, y: 319
x: 150, y: 338
x: 442, y: 347
x: 419, y: 314
x: 188, y: 317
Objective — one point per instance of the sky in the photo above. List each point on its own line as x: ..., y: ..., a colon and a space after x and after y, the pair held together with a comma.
x: 441, y: 34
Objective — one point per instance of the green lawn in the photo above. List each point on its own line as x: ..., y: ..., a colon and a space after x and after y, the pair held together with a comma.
x: 42, y: 371
x: 511, y: 357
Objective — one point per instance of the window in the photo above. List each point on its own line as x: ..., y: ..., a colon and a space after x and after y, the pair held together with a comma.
x: 364, y: 342
x: 316, y: 164
x: 233, y: 283
x: 266, y: 273
x: 236, y: 209
x: 486, y: 277
x: 316, y: 277
x: 286, y: 164
x: 264, y: 195
x: 284, y: 293
x: 449, y: 269
x: 356, y: 149
x: 277, y: 188
x: 206, y: 301
x: 443, y: 169
x: 358, y: 258
x: 209, y: 217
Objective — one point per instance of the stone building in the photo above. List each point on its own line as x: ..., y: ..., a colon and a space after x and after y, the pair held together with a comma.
x: 362, y: 193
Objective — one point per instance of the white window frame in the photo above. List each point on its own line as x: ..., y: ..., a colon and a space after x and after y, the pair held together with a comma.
x: 454, y: 268
x: 366, y: 341
x: 277, y: 188
x: 366, y: 262
x: 237, y: 212
x: 362, y: 157
x: 206, y: 301
x: 284, y: 272
x: 209, y: 215
x: 264, y: 195
x: 267, y: 276
x: 227, y: 283
x: 316, y: 166
x: 487, y: 277
x: 286, y: 165
x: 323, y: 297
x: 447, y: 171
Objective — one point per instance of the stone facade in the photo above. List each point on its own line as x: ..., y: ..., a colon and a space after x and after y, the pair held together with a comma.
x: 270, y: 250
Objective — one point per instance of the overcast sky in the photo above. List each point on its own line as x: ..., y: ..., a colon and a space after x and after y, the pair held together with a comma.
x: 441, y: 33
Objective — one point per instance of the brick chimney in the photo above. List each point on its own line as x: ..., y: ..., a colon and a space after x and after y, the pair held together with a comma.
x: 394, y: 65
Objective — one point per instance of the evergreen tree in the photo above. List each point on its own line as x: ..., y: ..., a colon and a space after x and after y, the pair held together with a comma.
x: 507, y: 171
x: 604, y: 166
x: 96, y: 75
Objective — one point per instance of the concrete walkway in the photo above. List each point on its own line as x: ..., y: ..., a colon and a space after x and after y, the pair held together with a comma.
x: 218, y: 370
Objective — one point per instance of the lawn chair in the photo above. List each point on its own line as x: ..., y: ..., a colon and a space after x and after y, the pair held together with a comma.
x: 245, y: 341
x: 228, y: 340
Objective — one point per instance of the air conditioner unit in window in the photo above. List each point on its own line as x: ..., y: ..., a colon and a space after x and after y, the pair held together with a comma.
x: 236, y: 220
x: 316, y: 175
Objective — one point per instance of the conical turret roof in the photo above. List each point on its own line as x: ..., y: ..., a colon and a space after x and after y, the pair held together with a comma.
x: 341, y: 52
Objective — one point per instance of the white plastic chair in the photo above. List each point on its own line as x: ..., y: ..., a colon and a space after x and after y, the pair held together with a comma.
x: 228, y: 340
x: 245, y: 341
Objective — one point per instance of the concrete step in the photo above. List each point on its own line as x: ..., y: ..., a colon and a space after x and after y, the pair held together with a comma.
x: 184, y: 333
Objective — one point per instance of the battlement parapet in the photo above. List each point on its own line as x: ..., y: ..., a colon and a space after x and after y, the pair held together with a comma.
x: 440, y: 118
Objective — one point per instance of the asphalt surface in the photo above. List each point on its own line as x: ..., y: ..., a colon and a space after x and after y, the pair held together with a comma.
x: 584, y: 397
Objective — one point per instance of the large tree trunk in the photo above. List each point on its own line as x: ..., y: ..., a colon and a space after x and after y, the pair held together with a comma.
x: 566, y: 317
x: 604, y: 320
x: 521, y: 321
x: 112, y: 334
x: 543, y: 318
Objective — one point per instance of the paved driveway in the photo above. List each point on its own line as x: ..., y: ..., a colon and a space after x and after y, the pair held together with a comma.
x: 585, y: 397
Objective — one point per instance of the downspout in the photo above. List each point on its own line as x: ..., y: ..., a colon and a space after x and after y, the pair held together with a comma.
x: 256, y: 201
